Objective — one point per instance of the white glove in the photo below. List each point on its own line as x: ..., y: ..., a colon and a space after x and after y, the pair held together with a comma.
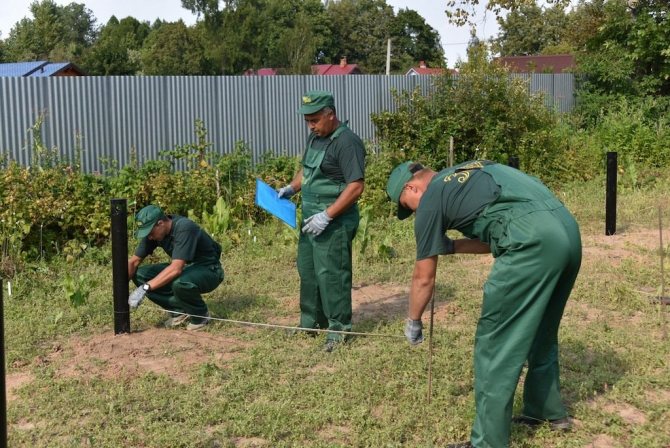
x: 137, y: 296
x: 286, y: 192
x: 317, y: 223
x: 413, y: 331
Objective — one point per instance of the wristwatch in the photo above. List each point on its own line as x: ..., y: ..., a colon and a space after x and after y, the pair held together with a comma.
x: 146, y: 287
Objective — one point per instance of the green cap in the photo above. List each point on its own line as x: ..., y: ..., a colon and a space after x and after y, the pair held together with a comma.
x: 400, y: 175
x: 315, y: 100
x: 146, y: 219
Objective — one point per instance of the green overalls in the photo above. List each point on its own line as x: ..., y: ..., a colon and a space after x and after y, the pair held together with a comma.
x: 537, y: 249
x: 184, y: 294
x: 324, y: 261
x: 201, y: 275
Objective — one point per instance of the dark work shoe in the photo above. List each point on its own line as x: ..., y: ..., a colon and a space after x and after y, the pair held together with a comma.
x: 460, y: 445
x: 561, y: 424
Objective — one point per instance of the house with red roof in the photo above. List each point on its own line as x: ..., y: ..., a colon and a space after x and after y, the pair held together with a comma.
x: 423, y: 69
x: 266, y: 71
x: 343, y: 68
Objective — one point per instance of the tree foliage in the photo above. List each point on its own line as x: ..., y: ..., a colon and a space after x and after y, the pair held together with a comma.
x: 116, y: 51
x: 487, y: 113
x: 414, y: 40
x: 230, y: 37
x: 54, y: 33
x: 630, y: 52
x: 173, y: 49
x: 530, y: 30
x: 361, y: 29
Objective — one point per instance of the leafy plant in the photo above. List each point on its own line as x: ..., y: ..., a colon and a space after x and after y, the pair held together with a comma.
x: 76, y: 289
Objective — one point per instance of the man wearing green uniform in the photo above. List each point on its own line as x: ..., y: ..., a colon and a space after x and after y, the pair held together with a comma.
x: 331, y: 180
x: 537, y: 249
x: 177, y: 286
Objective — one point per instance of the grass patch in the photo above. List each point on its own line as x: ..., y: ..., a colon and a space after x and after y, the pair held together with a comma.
x: 73, y: 383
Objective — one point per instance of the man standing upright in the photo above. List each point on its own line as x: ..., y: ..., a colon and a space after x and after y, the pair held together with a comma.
x: 331, y: 180
x: 537, y: 249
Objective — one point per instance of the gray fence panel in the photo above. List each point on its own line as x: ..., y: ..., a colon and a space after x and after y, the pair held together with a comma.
x: 112, y: 119
x: 564, y: 88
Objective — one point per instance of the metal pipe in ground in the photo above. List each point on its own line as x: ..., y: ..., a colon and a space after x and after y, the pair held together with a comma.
x: 3, y: 386
x: 119, y: 217
x: 610, y: 194
x: 430, y: 346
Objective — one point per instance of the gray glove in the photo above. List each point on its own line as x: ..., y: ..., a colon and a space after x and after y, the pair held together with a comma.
x: 317, y: 223
x: 137, y: 296
x: 413, y: 331
x: 286, y: 192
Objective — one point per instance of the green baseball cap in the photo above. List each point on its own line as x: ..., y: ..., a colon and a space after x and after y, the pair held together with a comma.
x: 315, y: 100
x: 400, y: 175
x: 147, y: 219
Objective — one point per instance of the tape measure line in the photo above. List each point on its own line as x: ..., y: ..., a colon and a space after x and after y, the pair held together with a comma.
x: 288, y: 327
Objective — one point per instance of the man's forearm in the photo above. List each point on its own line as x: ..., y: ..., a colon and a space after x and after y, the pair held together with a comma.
x: 419, y: 296
x: 423, y: 282
x: 166, y: 276
x: 347, y: 198
x: 296, y: 183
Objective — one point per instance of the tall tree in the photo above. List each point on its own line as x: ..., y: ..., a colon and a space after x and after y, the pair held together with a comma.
x: 174, y: 49
x: 629, y: 52
x: 531, y: 29
x: 287, y: 34
x: 114, y: 51
x: 414, y: 40
x: 54, y: 33
x: 360, y: 30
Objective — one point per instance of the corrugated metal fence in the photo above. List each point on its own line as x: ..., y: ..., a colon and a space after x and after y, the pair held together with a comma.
x: 108, y: 118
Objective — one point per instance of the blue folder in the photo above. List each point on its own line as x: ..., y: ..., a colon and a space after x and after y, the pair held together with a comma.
x: 266, y: 198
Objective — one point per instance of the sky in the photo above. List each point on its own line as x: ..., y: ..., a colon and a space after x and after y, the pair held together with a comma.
x: 454, y: 40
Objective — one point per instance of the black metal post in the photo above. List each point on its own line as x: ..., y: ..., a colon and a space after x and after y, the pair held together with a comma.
x: 610, y: 195
x: 3, y: 392
x: 119, y: 216
x: 513, y: 161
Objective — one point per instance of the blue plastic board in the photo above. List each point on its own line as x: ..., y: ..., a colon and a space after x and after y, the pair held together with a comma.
x: 266, y: 198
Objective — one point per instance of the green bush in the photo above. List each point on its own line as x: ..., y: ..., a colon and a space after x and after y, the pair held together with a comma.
x: 488, y: 114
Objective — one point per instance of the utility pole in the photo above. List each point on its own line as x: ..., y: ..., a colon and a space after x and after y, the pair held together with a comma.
x: 388, y: 57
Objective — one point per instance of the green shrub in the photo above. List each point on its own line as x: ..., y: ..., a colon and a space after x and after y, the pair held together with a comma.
x: 488, y: 114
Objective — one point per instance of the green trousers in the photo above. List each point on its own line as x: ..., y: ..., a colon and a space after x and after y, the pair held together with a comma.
x: 324, y: 265
x: 538, y: 254
x: 184, y: 294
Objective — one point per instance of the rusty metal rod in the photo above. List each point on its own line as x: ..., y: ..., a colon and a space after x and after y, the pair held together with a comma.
x: 430, y: 346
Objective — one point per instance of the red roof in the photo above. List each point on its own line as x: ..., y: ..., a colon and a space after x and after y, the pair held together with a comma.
x: 336, y: 69
x: 557, y: 63
x: 262, y: 72
x: 423, y: 69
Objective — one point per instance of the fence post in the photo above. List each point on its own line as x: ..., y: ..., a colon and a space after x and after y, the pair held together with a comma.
x: 119, y: 217
x: 610, y: 194
x: 3, y: 392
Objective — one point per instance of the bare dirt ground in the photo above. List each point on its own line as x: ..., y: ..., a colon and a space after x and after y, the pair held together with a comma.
x: 107, y: 355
